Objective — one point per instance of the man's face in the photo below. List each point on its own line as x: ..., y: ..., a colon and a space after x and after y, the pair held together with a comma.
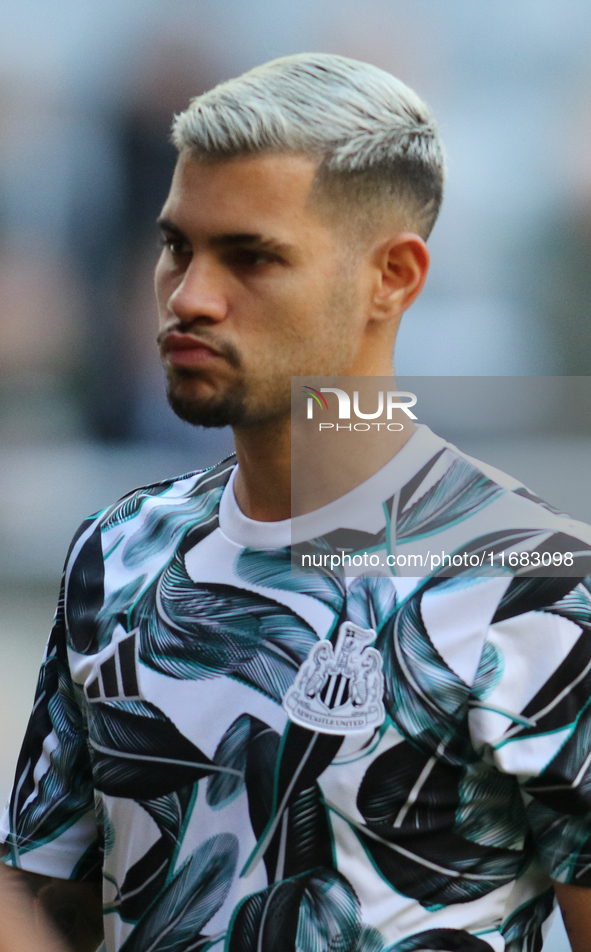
x: 252, y: 288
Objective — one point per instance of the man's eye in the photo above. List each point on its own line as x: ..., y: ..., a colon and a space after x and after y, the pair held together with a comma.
x: 176, y: 246
x: 247, y: 258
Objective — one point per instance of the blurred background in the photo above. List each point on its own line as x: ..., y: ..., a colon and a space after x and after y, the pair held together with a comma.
x: 87, y: 91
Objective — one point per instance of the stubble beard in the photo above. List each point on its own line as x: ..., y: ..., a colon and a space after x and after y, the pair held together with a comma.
x: 236, y: 405
x: 211, y: 410
x: 217, y: 410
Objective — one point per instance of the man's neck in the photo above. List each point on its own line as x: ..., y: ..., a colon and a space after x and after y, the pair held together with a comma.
x: 324, y: 464
x: 263, y: 481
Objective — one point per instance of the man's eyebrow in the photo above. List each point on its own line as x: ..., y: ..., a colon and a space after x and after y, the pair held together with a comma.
x: 166, y: 225
x: 232, y: 239
x: 252, y: 239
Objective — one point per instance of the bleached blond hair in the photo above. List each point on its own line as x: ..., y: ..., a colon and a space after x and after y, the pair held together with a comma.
x: 376, y: 142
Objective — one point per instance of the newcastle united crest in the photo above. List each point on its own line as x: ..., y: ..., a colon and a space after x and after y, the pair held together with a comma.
x: 339, y: 690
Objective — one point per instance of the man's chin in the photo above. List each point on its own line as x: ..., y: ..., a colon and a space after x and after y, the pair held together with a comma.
x: 212, y: 412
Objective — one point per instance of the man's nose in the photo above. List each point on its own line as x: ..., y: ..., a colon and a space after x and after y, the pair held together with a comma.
x: 200, y: 295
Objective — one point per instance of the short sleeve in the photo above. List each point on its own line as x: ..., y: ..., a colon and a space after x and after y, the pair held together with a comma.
x: 49, y: 825
x: 531, y: 714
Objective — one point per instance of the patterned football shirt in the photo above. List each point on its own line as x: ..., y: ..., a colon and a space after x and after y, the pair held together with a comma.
x: 260, y: 762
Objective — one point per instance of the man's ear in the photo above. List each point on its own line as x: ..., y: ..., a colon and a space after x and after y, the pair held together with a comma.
x: 400, y: 265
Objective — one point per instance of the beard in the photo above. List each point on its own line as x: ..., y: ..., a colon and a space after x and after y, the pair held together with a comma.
x: 240, y: 404
x: 226, y: 409
x: 216, y: 410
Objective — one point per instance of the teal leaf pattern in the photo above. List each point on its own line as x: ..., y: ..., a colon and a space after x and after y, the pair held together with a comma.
x: 174, y: 921
x: 371, y: 602
x: 291, y: 839
x: 304, y: 840
x: 145, y: 879
x: 169, y: 810
x: 426, y: 699
x: 409, y: 801
x: 527, y: 921
x: 106, y: 829
x: 533, y: 594
x: 505, y: 810
x: 490, y: 671
x: 114, y: 610
x: 167, y: 525
x: 40, y: 810
x: 89, y: 866
x: 315, y: 912
x: 565, y: 783
x: 85, y: 595
x: 231, y: 752
x: 131, y: 504
x: 369, y: 940
x: 303, y: 756
x: 561, y: 701
x: 462, y: 490
x: 249, y: 748
x: 190, y: 630
x: 272, y: 569
x: 560, y: 842
x: 441, y: 940
x: 575, y: 605
x: 484, y: 545
x: 137, y: 752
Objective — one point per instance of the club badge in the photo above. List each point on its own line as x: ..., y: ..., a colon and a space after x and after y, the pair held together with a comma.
x: 339, y: 690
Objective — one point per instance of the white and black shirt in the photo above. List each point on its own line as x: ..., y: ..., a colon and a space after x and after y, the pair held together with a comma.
x: 258, y: 762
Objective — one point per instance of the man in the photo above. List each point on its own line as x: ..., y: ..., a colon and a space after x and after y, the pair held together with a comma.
x: 167, y: 755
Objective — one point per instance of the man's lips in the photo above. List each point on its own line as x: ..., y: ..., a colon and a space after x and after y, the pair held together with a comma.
x: 184, y: 350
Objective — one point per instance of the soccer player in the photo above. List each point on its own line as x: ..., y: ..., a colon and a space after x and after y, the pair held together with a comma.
x: 240, y: 758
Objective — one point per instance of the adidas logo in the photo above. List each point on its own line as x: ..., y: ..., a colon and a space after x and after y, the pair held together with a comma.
x: 117, y: 678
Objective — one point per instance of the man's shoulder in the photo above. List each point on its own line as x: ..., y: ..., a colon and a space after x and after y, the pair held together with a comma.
x: 524, y: 502
x: 498, y: 523
x: 188, y: 485
x: 174, y: 493
x: 450, y: 482
x: 118, y: 552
